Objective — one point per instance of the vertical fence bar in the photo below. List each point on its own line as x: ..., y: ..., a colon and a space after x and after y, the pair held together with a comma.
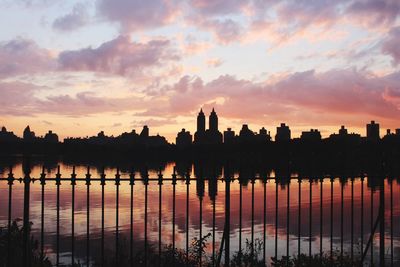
x: 10, y: 184
x: 265, y: 219
x: 58, y: 183
x: 131, y: 183
x: 73, y: 183
x: 391, y: 221
x: 26, y: 227
x: 201, y: 229
x: 228, y: 218
x: 117, y: 184
x: 287, y: 222
x: 240, y: 217
x: 362, y: 219
x: 88, y: 175
x: 252, y: 216
x: 146, y: 185
x: 320, y: 215
x: 173, y: 215
x: 187, y: 217
x: 276, y: 218
x: 213, y: 229
x: 372, y: 224
x: 341, y: 219
x: 299, y: 221
x: 42, y: 183
x: 102, y: 183
x: 310, y: 221
x: 331, y: 230
x: 352, y: 221
x: 382, y: 222
x: 160, y: 183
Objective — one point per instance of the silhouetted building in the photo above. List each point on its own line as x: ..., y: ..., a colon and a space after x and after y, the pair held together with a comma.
x: 282, y: 133
x: 245, y: 133
x: 184, y: 138
x: 7, y: 136
x: 51, y: 137
x: 210, y: 136
x: 201, y: 121
x: 373, y: 131
x: 229, y: 136
x: 213, y: 121
x: 397, y: 131
x: 199, y: 135
x: 155, y: 141
x: 128, y: 138
x: 264, y: 135
x: 145, y: 131
x: 344, y: 136
x: 342, y: 130
x: 28, y: 134
x: 312, y: 135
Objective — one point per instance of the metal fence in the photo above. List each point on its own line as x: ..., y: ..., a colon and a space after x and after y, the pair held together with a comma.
x: 221, y: 254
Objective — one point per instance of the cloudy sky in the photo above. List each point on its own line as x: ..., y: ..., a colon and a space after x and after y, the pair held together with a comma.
x: 78, y: 67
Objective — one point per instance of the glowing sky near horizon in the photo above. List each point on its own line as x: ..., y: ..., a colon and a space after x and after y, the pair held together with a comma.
x: 80, y: 67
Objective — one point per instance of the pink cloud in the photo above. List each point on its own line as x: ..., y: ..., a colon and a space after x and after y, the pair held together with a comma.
x: 214, y: 62
x: 23, y: 56
x: 299, y: 97
x: 120, y: 56
x: 18, y: 98
x: 304, y: 98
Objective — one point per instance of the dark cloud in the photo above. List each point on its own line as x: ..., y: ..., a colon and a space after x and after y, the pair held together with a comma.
x: 119, y: 56
x: 72, y: 21
x: 225, y: 30
x: 137, y: 14
x: 18, y: 98
x: 391, y: 46
x: 219, y: 7
x: 375, y: 12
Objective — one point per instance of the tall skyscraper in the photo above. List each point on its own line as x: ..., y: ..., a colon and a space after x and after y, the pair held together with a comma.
x: 373, y: 131
x: 282, y: 133
x: 201, y: 122
x: 213, y: 121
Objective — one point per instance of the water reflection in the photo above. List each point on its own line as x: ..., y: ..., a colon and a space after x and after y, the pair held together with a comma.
x: 300, y: 217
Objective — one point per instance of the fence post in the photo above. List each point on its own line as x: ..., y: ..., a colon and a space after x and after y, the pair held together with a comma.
x: 10, y: 184
x: 26, y: 226
x: 227, y: 216
x: 382, y: 223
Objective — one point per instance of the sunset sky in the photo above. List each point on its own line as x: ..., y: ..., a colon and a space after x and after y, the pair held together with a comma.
x: 79, y: 67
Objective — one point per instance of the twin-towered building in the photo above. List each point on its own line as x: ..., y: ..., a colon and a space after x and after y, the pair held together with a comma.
x: 210, y: 136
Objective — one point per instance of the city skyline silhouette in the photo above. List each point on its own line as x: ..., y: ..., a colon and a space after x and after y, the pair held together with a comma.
x: 215, y: 133
x: 212, y: 135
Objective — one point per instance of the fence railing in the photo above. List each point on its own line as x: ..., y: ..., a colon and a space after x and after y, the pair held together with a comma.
x: 221, y: 250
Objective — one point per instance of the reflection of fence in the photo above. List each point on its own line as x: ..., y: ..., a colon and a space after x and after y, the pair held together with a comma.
x: 218, y: 253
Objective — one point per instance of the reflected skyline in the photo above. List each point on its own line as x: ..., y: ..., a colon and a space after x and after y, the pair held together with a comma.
x: 206, y: 190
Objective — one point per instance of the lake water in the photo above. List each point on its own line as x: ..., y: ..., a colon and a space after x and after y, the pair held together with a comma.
x: 342, y: 214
